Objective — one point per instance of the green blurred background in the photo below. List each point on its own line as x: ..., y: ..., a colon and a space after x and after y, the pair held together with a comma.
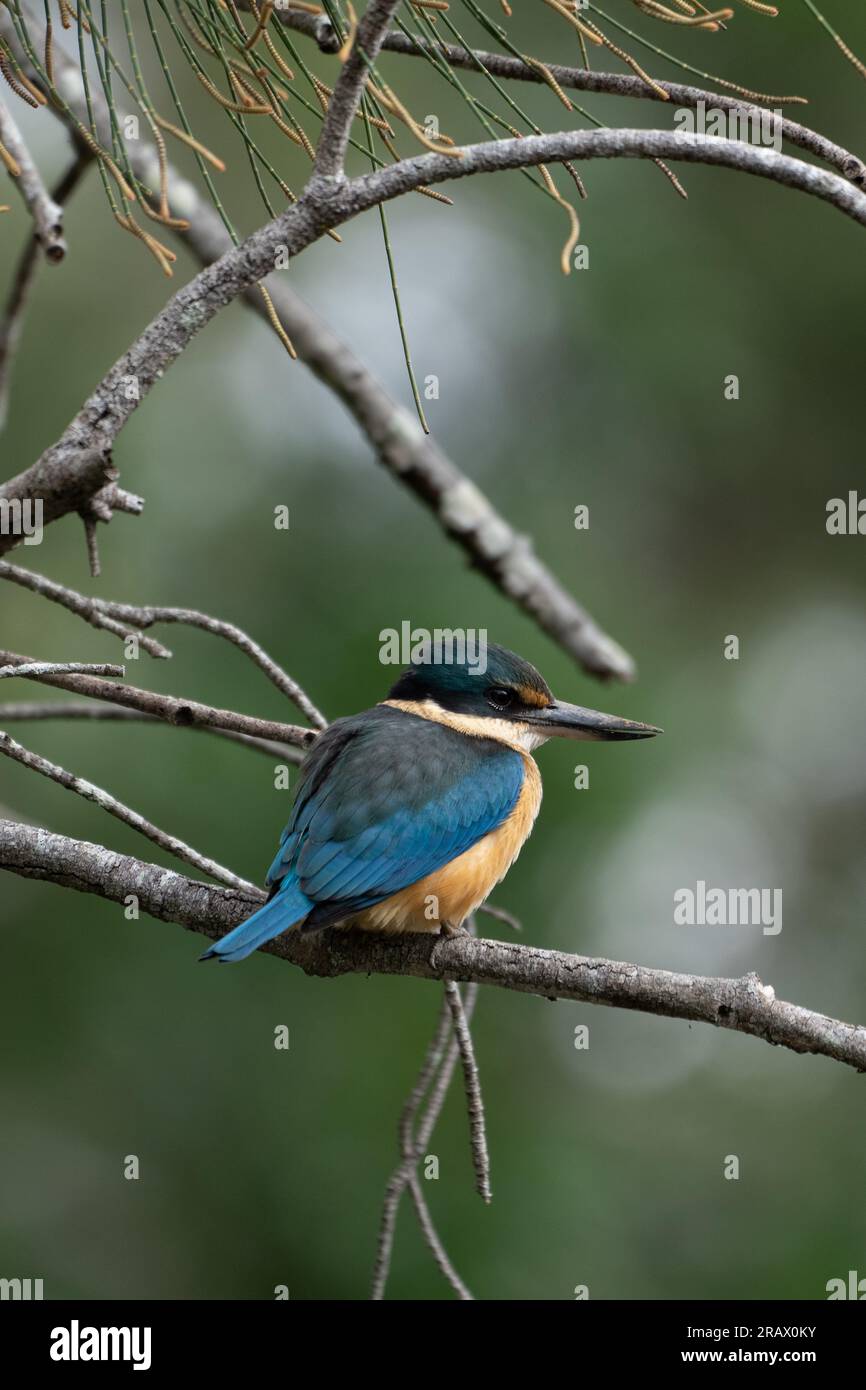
x: 260, y: 1167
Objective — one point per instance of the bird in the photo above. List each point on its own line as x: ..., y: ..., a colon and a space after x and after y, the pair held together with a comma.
x: 407, y: 815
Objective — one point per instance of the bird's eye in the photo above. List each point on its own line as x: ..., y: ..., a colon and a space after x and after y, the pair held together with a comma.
x: 499, y: 697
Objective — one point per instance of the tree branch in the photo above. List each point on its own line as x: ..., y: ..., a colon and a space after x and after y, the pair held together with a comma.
x: 496, y: 156
x: 744, y: 1006
x: 62, y: 485
x: 328, y: 204
x: 349, y: 88
x: 584, y: 80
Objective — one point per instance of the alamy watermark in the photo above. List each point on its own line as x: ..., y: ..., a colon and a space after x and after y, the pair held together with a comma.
x: 22, y: 517
x: 443, y: 646
x: 752, y: 124
x: 21, y: 1290
x: 729, y: 907
x: 77, y: 1343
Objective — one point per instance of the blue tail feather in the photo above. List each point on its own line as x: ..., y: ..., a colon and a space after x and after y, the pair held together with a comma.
x: 286, y: 908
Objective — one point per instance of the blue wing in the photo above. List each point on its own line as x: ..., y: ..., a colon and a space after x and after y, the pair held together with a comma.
x: 385, y: 799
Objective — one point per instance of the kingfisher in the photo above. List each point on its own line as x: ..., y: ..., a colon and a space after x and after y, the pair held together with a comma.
x: 407, y: 815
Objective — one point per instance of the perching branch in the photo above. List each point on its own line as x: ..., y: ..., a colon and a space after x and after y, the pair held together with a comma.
x: 745, y: 1005
x: 47, y: 214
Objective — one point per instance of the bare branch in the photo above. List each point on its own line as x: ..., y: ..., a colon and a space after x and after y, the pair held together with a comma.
x: 349, y: 88
x: 59, y: 486
x: 496, y: 156
x: 744, y: 1005
x: 46, y: 213
x: 32, y: 711
x: 125, y: 620
x: 171, y: 844
x: 169, y: 708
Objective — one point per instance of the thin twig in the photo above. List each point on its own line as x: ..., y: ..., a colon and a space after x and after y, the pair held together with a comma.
x: 500, y: 915
x: 349, y: 88
x: 434, y: 1240
x: 437, y: 1070
x: 33, y: 711
x: 22, y: 283
x: 126, y: 620
x: 472, y: 1084
x: 40, y: 670
x: 92, y: 610
x: 47, y: 214
x: 170, y: 843
x: 169, y: 708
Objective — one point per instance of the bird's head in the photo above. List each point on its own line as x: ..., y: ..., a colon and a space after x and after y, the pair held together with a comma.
x: 508, y: 700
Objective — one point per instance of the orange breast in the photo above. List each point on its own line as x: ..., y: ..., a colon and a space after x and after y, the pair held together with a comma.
x: 454, y: 892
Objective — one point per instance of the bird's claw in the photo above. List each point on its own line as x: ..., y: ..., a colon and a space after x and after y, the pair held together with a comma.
x: 447, y: 932
x: 448, y: 929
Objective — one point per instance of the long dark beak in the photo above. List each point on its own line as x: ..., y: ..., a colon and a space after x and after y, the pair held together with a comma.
x: 561, y: 720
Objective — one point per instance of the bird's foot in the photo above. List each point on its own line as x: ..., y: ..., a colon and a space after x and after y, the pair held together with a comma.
x: 448, y: 929
x: 447, y: 932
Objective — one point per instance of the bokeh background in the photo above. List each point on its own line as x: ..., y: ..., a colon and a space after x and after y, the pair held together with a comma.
x: 260, y: 1167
